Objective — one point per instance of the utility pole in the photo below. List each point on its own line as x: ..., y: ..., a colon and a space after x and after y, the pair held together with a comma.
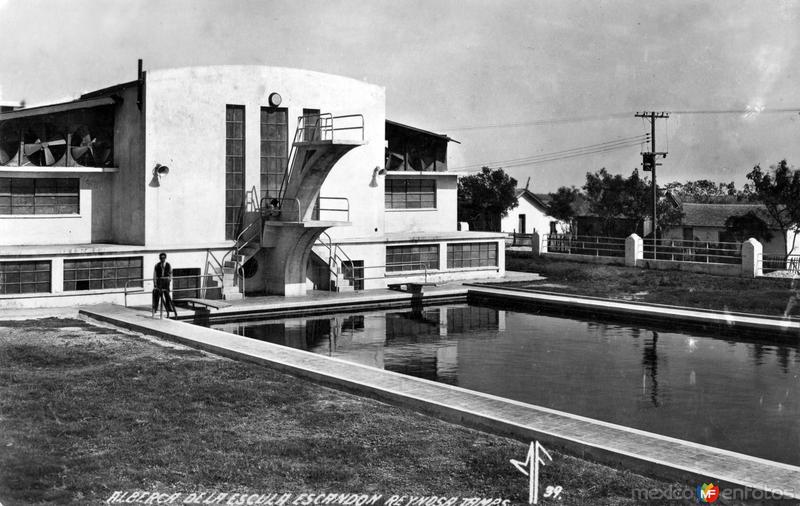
x: 649, y: 164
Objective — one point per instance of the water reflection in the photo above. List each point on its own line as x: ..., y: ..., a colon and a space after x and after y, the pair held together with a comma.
x: 650, y: 368
x: 720, y: 391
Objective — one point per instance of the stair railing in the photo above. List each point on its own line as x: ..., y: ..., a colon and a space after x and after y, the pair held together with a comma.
x: 324, y: 129
x: 336, y: 255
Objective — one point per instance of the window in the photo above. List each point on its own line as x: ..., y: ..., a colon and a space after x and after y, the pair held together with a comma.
x: 412, y: 258
x: 274, y: 149
x: 101, y: 273
x: 475, y: 254
x: 311, y: 125
x: 47, y: 195
x: 25, y: 277
x: 410, y: 193
x: 234, y: 168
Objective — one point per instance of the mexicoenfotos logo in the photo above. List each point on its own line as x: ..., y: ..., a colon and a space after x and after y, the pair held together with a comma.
x: 707, y: 492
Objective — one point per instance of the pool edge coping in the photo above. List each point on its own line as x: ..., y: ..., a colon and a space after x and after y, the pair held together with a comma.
x: 608, y: 455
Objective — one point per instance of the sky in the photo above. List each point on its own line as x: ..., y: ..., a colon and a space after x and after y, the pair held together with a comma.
x: 508, y: 79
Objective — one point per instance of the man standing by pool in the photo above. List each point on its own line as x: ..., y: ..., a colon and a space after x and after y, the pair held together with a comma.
x: 162, y: 278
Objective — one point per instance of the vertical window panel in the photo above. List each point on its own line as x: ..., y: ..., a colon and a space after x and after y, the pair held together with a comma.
x: 234, y: 168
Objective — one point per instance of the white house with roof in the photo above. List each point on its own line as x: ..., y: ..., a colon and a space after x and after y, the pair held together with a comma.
x: 530, y: 216
x: 251, y: 178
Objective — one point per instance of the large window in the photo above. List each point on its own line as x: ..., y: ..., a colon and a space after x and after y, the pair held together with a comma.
x: 410, y: 193
x: 100, y: 273
x: 234, y: 169
x: 274, y: 149
x: 474, y: 254
x: 412, y: 258
x: 47, y: 195
x: 25, y: 277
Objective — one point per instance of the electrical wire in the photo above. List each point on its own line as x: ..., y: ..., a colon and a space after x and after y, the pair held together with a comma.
x: 619, y: 115
x: 629, y: 140
x: 557, y: 155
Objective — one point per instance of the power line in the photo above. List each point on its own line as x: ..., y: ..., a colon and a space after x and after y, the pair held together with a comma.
x: 629, y: 140
x: 576, y: 119
x: 559, y: 155
x: 579, y: 119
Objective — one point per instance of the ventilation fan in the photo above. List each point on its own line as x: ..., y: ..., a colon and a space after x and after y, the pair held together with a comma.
x: 89, y: 151
x: 43, y: 152
x: 9, y: 143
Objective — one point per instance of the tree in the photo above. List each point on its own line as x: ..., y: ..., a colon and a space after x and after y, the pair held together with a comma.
x: 779, y: 191
x: 486, y: 197
x: 704, y: 191
x: 746, y: 226
x: 612, y: 197
x: 562, y: 204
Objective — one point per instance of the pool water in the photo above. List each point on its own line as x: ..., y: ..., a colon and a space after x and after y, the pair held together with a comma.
x: 715, y: 390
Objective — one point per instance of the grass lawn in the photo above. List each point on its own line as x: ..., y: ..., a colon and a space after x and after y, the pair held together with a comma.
x: 86, y: 411
x: 767, y: 296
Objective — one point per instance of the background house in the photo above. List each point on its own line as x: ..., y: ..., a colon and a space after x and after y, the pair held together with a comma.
x: 530, y: 215
x: 706, y: 222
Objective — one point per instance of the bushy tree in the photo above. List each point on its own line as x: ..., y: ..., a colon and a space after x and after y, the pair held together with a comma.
x: 484, y: 198
x: 613, y: 196
x: 562, y: 204
x: 746, y: 226
x: 705, y: 191
x: 779, y: 191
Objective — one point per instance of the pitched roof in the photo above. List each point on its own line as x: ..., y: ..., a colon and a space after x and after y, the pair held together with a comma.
x: 714, y: 215
x: 531, y: 197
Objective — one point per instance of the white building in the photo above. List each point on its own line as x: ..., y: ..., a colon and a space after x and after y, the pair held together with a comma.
x: 530, y: 216
x: 188, y: 160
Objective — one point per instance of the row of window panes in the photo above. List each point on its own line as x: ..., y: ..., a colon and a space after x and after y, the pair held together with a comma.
x: 410, y: 193
x: 274, y: 150
x: 412, y: 258
x: 24, y: 277
x: 101, y: 273
x: 39, y: 195
x: 479, y: 254
x: 234, y: 165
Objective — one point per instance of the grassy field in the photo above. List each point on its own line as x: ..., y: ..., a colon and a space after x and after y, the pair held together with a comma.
x: 763, y: 295
x: 86, y: 411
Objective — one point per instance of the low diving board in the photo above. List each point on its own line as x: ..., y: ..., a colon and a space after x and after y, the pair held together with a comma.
x: 409, y: 287
x: 215, y: 304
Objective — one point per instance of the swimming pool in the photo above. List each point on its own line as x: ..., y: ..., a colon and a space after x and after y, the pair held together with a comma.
x: 716, y: 390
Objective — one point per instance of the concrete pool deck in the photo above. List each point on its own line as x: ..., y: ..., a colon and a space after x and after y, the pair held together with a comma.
x: 618, y: 446
x: 769, y: 326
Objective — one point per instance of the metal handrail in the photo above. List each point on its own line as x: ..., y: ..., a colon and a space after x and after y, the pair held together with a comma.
x: 143, y: 280
x: 345, y: 210
x: 324, y: 125
x: 386, y: 274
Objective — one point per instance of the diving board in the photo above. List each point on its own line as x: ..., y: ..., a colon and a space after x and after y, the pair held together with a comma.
x: 216, y: 304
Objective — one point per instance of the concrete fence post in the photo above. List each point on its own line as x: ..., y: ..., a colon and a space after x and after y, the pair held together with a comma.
x: 538, y: 243
x: 634, y: 250
x: 752, y: 258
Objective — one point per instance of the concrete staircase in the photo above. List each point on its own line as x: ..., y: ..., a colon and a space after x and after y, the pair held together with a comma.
x: 230, y: 286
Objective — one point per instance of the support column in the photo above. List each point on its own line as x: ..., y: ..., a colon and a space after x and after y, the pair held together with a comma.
x: 634, y: 250
x: 538, y: 244
x: 752, y: 258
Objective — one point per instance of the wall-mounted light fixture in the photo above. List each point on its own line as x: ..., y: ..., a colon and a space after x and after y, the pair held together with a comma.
x: 375, y: 173
x: 158, y: 171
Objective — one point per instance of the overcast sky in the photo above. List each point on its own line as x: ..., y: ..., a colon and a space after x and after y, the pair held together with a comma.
x: 469, y: 69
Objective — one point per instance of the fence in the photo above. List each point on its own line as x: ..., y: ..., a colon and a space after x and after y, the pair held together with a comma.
x: 773, y: 263
x: 586, y: 245
x: 721, y: 258
x: 694, y: 251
